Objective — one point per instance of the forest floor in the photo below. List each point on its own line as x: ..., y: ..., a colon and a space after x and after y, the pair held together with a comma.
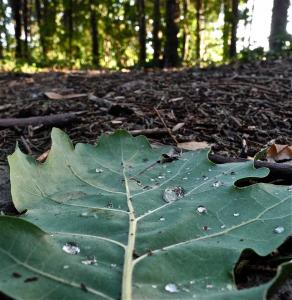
x: 236, y: 108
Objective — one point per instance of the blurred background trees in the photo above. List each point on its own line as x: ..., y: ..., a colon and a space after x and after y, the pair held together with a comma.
x: 127, y: 33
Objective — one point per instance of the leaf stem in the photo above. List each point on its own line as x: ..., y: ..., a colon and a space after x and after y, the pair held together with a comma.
x: 128, y: 261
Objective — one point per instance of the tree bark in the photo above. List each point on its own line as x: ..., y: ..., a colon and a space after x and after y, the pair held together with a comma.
x: 142, y: 31
x: 226, y: 29
x: 16, y: 11
x: 94, y: 34
x: 198, y: 30
x: 234, y: 23
x: 40, y: 26
x: 156, y: 29
x: 185, y: 39
x: 26, y: 27
x: 279, y: 24
x: 171, y: 46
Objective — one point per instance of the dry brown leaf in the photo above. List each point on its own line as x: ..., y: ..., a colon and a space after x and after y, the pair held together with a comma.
x: 193, y: 145
x: 277, y: 153
x: 56, y: 96
x: 177, y: 127
x: 43, y: 156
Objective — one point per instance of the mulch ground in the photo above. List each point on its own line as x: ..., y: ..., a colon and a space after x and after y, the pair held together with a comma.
x: 237, y: 109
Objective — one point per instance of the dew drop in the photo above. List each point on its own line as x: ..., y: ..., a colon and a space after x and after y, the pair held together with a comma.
x: 97, y: 170
x: 205, y: 177
x: 236, y: 214
x: 171, y: 288
x: 202, y: 209
x: 185, y: 178
x: 171, y: 194
x: 162, y: 219
x: 71, y: 248
x: 279, y: 229
x: 152, y: 179
x: 154, y: 286
x: 223, y: 226
x: 113, y: 265
x: 209, y: 286
x: 90, y: 261
x: 66, y: 267
x: 217, y: 184
x: 161, y: 177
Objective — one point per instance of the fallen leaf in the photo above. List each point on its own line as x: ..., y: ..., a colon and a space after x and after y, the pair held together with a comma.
x: 193, y: 145
x: 280, y: 153
x: 43, y: 156
x: 184, y: 219
x: 177, y: 127
x: 56, y: 96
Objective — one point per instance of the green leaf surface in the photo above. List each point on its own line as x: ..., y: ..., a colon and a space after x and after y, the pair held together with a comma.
x: 113, y: 203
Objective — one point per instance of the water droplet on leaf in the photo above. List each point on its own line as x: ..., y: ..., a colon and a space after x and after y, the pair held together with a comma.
x: 154, y: 286
x: 90, y: 261
x: 162, y: 219
x: 171, y: 288
x: 201, y: 209
x: 97, y: 170
x: 236, y: 214
x: 279, y: 229
x: 171, y: 194
x: 217, y: 184
x: 66, y: 267
x: 71, y: 248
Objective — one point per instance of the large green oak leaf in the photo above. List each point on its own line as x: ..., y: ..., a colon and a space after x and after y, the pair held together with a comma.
x: 112, y: 221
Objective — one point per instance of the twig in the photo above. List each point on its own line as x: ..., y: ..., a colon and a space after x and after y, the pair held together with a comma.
x: 163, y: 122
x: 51, y: 120
x: 26, y: 145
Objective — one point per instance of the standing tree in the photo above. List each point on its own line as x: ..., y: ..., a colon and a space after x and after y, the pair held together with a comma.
x: 16, y: 12
x: 156, y: 30
x: 198, y: 5
x: 171, y: 45
x: 279, y: 24
x: 186, y: 36
x: 234, y: 23
x: 26, y: 16
x: 142, y: 31
x: 94, y: 33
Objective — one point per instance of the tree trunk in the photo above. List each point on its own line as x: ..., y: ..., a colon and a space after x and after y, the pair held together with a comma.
x: 279, y: 24
x: 142, y: 31
x: 40, y: 26
x: 156, y: 29
x: 226, y: 28
x: 234, y: 23
x: 94, y: 34
x: 25, y: 27
x: 16, y: 11
x: 198, y: 30
x: 2, y: 16
x: 171, y: 45
x: 70, y: 28
x: 185, y: 39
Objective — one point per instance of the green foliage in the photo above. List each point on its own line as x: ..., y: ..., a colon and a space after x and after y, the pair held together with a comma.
x: 138, y: 227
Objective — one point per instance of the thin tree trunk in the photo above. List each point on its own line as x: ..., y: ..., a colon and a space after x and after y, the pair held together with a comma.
x: 2, y: 16
x: 70, y: 28
x: 234, y: 23
x: 279, y: 24
x: 26, y: 28
x: 185, y: 39
x: 226, y: 29
x: 198, y: 30
x: 171, y: 45
x: 142, y: 31
x: 16, y: 11
x: 94, y: 34
x: 39, y: 17
x: 156, y: 29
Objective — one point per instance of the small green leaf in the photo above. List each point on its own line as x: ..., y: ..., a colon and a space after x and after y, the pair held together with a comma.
x: 129, y: 226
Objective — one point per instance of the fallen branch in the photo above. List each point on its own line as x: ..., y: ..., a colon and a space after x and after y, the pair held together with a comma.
x: 149, y: 132
x: 277, y: 170
x: 50, y: 120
